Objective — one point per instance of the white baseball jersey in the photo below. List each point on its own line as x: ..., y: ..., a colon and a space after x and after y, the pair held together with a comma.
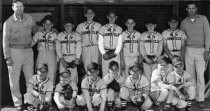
x: 93, y: 86
x: 110, y: 35
x: 174, y: 40
x: 45, y: 40
x: 89, y: 33
x: 159, y: 80
x: 131, y: 43
x: 41, y: 87
x: 151, y: 42
x: 69, y: 44
x: 184, y: 79
x: 137, y: 87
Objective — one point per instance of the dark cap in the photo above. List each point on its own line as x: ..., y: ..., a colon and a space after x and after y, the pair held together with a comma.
x: 69, y: 20
x: 173, y: 18
x: 43, y: 68
x: 65, y: 73
x: 150, y: 20
x: 162, y: 59
x: 136, y: 67
x: 177, y: 61
x: 113, y: 63
x: 92, y: 65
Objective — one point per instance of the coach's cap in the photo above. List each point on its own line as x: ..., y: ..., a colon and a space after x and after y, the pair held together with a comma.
x: 43, y: 68
x: 69, y: 20
x: 177, y: 61
x: 173, y: 18
x: 92, y: 65
x: 162, y: 59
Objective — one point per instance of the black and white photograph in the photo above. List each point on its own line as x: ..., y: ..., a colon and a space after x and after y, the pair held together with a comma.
x: 105, y: 55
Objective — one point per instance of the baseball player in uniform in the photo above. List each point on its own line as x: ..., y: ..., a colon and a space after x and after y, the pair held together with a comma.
x: 60, y: 98
x: 39, y: 90
x: 131, y: 51
x: 114, y: 81
x: 136, y: 89
x: 17, y: 50
x: 183, y: 81
x: 159, y: 85
x: 151, y: 45
x: 68, y: 48
x: 110, y: 42
x: 89, y: 37
x: 174, y: 39
x: 93, y: 90
x: 46, y: 46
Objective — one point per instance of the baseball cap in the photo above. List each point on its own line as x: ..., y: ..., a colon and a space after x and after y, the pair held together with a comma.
x: 43, y: 68
x: 69, y: 20
x: 173, y: 18
x: 65, y: 73
x: 92, y: 65
x: 113, y: 63
x: 150, y: 21
x: 177, y: 61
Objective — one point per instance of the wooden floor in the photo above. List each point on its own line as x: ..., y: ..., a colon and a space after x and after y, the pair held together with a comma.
x: 131, y: 108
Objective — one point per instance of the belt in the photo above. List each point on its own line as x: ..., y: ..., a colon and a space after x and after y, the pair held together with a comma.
x: 175, y: 50
x: 195, y: 45
x: 20, y: 46
x: 68, y: 54
x: 110, y: 49
x: 90, y: 45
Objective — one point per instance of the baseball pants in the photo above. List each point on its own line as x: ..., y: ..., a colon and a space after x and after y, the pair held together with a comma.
x: 49, y: 58
x: 129, y: 61
x: 74, y: 73
x: 148, y: 69
x: 69, y: 104
x: 80, y: 100
x: 125, y: 94
x: 22, y: 59
x: 31, y: 99
x: 90, y: 54
x: 159, y: 95
x: 195, y: 65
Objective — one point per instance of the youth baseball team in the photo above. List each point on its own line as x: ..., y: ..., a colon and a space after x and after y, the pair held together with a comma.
x: 144, y: 69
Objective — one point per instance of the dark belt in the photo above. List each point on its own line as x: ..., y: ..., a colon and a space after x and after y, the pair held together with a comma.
x: 68, y: 54
x: 175, y: 50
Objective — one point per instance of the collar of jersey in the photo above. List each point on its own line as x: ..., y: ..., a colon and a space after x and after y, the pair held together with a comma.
x: 43, y: 80
x: 136, y: 81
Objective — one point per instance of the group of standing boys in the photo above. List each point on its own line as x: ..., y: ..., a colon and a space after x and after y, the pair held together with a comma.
x: 134, y: 67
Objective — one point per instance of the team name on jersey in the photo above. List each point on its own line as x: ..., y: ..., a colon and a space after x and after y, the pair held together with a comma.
x: 69, y: 41
x: 111, y: 34
x: 150, y: 41
x: 89, y: 32
x: 174, y: 38
x: 45, y: 40
x: 131, y: 41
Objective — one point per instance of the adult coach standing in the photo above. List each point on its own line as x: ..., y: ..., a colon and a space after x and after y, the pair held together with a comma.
x: 197, y: 30
x: 17, y: 48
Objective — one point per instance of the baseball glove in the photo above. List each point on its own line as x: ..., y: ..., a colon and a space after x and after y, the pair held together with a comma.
x: 139, y: 100
x: 111, y: 54
x: 67, y: 92
x: 106, y: 56
x: 71, y: 64
x: 114, y: 85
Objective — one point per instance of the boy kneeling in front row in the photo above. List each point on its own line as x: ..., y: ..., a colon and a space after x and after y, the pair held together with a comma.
x: 65, y: 92
x: 93, y: 90
x: 136, y: 89
x: 39, y: 90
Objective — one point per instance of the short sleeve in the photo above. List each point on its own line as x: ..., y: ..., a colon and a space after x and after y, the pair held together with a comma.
x: 79, y: 30
x: 101, y: 30
x: 84, y: 84
x: 36, y: 37
x: 58, y: 88
x: 164, y: 34
x: 183, y: 35
x: 78, y: 37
